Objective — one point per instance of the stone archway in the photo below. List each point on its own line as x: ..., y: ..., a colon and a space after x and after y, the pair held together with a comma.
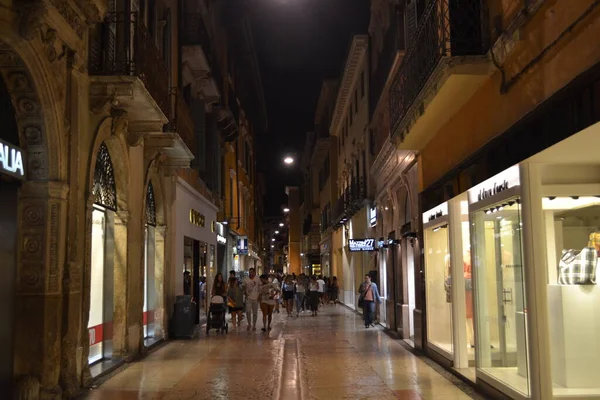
x: 108, y: 141
x: 41, y: 219
x: 156, y: 228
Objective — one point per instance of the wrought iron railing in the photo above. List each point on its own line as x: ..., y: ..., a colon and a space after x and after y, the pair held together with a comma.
x: 350, y: 201
x: 180, y: 120
x: 122, y: 46
x: 393, y: 41
x: 447, y: 28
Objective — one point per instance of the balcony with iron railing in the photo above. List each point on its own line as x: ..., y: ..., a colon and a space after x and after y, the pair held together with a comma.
x: 444, y: 65
x: 198, y: 57
x: 180, y: 120
x: 393, y: 48
x: 350, y: 202
x: 124, y: 62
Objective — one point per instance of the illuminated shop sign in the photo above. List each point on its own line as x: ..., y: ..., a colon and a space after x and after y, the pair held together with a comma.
x: 197, y: 219
x: 500, y: 183
x: 221, y: 239
x: 11, y: 160
x: 361, y: 244
x: 242, y: 246
x: 435, y: 213
x: 373, y: 216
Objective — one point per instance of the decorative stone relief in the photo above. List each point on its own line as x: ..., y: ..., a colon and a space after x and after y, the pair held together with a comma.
x: 27, y: 108
x: 31, y: 14
x: 53, y: 270
x: 30, y: 278
x: 71, y: 16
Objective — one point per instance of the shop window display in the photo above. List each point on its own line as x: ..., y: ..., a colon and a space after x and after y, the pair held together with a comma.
x: 572, y: 226
x: 438, y: 290
x: 501, y: 311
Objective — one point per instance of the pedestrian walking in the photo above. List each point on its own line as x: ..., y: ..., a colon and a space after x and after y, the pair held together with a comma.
x: 314, y: 295
x: 369, y: 294
x: 334, y: 290
x: 268, y: 292
x: 235, y: 301
x: 250, y: 288
x: 301, y: 288
x: 288, y: 294
x: 219, y: 287
x: 321, y: 283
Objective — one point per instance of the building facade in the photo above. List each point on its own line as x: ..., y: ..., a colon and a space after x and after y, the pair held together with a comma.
x: 350, y: 220
x: 111, y: 119
x: 504, y: 123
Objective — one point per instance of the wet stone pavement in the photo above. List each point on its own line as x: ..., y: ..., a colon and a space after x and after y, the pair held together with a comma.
x: 331, y: 356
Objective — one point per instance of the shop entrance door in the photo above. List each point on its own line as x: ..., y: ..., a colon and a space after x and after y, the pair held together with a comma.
x: 8, y: 267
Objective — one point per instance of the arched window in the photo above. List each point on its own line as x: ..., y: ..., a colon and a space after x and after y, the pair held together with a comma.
x: 150, y: 206
x: 105, y: 188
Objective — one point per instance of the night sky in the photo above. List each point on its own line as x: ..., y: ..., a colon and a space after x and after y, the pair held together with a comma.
x: 300, y: 43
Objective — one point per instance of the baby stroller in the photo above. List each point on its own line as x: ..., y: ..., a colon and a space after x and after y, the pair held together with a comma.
x: 216, y: 315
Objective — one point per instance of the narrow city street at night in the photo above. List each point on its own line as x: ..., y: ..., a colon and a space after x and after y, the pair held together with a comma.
x: 408, y: 191
x: 331, y: 356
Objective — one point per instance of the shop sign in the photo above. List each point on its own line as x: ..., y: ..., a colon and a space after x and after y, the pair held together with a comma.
x: 435, y: 213
x: 11, y: 160
x: 197, y: 219
x: 221, y: 239
x: 495, y: 185
x: 361, y: 244
x: 242, y: 246
x: 373, y: 216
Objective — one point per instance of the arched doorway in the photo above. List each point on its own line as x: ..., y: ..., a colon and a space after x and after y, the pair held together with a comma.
x: 32, y: 210
x: 150, y: 261
x: 100, y: 323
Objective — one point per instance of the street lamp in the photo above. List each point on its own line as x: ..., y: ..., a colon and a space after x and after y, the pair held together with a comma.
x: 288, y: 160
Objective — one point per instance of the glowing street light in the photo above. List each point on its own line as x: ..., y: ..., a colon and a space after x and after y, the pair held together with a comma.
x: 288, y: 160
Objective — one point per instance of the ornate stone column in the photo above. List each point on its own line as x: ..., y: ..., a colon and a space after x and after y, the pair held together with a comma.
x: 38, y: 311
x: 121, y: 224
x: 160, y: 315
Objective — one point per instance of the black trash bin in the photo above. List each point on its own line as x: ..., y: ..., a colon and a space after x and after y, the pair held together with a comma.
x: 183, y: 321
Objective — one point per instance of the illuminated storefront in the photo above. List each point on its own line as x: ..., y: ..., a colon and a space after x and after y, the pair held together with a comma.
x: 195, y: 241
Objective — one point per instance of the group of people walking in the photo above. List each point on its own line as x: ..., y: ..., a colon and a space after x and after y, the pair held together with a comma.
x: 295, y: 293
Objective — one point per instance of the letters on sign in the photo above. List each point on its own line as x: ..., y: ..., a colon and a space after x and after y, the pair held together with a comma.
x: 221, y: 239
x: 196, y: 218
x: 11, y: 160
x: 497, y: 188
x: 361, y: 244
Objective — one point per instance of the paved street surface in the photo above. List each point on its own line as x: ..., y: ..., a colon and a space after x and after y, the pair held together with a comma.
x: 331, y: 356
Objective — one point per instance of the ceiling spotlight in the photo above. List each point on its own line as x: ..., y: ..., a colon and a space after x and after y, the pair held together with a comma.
x: 272, y: 240
x: 272, y: 245
x: 286, y: 210
x: 224, y: 222
x: 277, y: 232
x: 281, y: 224
x: 288, y: 160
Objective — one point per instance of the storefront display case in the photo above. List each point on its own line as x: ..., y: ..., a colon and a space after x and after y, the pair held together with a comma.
x: 449, y: 284
x: 501, y: 312
x: 438, y: 281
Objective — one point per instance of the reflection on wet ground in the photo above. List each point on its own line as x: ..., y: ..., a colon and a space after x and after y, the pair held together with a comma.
x: 331, y: 356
